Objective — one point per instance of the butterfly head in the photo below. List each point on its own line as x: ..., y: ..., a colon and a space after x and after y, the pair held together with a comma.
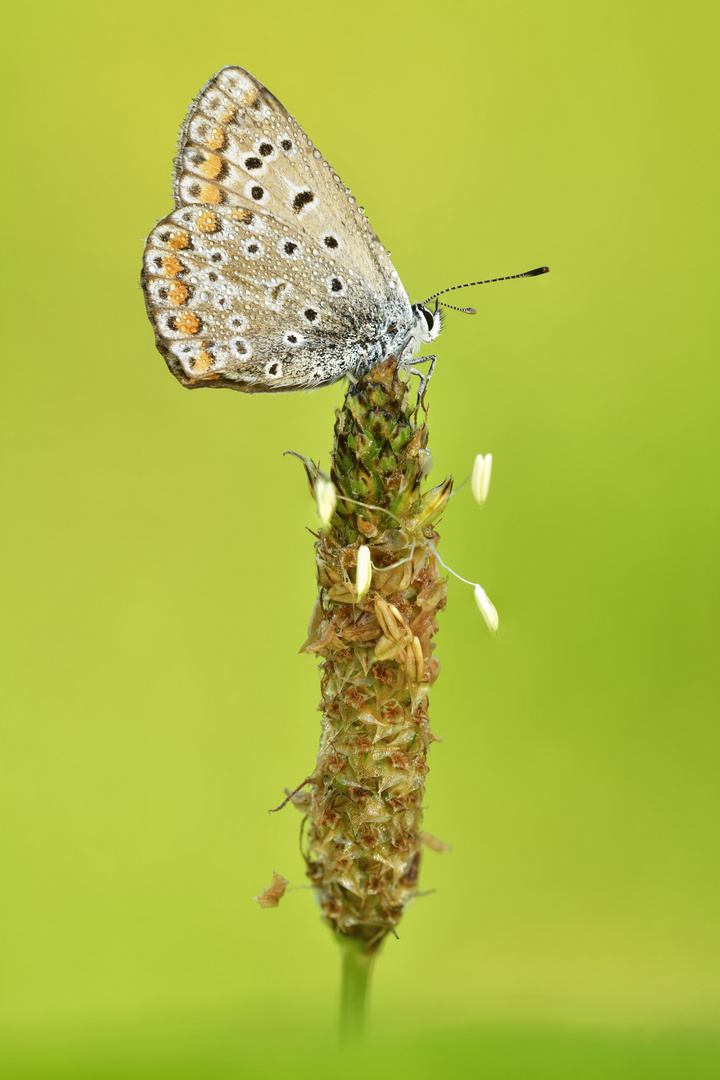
x: 428, y: 322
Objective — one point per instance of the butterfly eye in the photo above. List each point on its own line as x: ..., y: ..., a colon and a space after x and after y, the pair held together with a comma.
x: 429, y: 319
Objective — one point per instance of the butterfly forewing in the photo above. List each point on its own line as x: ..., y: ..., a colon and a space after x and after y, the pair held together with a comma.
x: 267, y: 276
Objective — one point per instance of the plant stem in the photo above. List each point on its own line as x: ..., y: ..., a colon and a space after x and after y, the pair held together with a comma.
x: 357, y: 965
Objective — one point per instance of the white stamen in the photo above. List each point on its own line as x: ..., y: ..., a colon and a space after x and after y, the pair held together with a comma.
x: 326, y: 496
x: 480, y: 479
x: 487, y: 608
x: 483, y: 601
x: 363, y: 572
x: 426, y: 461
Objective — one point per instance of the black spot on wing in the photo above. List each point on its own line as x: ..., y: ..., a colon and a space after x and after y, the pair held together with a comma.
x: 302, y: 199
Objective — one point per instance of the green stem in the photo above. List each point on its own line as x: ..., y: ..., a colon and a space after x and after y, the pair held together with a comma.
x: 356, y: 967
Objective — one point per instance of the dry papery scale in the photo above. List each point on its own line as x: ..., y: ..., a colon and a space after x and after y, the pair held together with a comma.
x: 363, y: 834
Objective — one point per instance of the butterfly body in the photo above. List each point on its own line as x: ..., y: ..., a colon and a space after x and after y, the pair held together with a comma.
x: 267, y: 276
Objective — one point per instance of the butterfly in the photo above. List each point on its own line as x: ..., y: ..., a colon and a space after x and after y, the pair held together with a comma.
x: 267, y: 275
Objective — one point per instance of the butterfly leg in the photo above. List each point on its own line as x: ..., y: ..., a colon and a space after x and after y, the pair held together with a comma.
x: 424, y: 378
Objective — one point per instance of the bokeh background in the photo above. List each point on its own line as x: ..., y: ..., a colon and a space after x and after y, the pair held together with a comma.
x: 159, y: 576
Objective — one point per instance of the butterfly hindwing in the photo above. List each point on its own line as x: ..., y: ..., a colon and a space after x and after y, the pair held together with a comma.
x: 226, y: 291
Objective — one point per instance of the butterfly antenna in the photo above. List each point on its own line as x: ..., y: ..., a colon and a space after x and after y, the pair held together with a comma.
x: 488, y: 281
x: 465, y: 310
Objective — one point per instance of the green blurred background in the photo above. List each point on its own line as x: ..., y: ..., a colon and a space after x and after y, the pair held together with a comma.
x: 159, y: 577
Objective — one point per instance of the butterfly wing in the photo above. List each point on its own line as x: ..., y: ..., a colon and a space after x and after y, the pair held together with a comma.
x: 266, y: 276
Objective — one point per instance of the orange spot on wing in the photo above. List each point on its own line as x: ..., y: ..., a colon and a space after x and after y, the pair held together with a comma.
x: 192, y: 383
x: 243, y: 216
x: 209, y: 194
x: 172, y: 265
x: 216, y: 139
x: 177, y: 293
x: 207, y: 222
x: 228, y: 115
x: 211, y: 167
x: 178, y: 241
x: 187, y: 323
x: 202, y: 362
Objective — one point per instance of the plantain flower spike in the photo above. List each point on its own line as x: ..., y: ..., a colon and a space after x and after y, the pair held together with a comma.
x: 363, y: 835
